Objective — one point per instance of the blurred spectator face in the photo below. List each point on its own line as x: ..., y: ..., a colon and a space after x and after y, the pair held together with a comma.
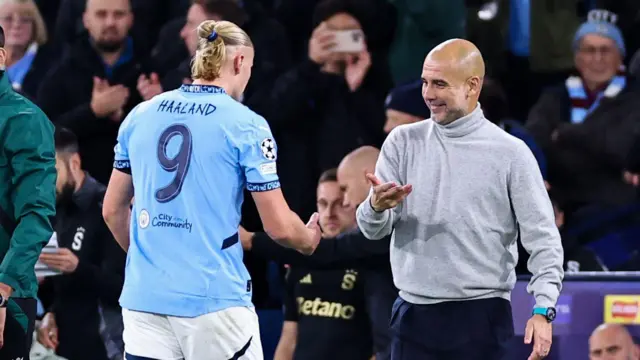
x: 195, y: 17
x: 597, y: 59
x: 17, y: 18
x: 353, y: 185
x: 335, y: 218
x: 65, y: 183
x: 396, y: 118
x: 342, y: 21
x: 108, y: 23
x: 612, y: 342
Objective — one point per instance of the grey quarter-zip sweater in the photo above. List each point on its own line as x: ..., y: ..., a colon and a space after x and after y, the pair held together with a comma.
x: 476, y: 191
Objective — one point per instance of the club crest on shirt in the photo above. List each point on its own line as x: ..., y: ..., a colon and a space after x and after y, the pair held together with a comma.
x: 268, y: 147
x: 143, y: 219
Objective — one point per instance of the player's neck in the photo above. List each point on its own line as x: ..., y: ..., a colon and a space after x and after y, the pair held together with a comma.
x: 79, y: 178
x: 217, y: 82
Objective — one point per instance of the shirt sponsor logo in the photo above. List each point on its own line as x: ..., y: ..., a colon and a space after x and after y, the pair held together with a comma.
x: 163, y: 221
x: 327, y: 309
x: 622, y: 309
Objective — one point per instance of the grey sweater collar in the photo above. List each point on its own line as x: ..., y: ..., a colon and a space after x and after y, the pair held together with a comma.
x: 464, y: 125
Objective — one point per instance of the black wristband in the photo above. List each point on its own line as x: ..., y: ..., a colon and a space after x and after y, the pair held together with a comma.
x: 374, y: 209
x: 3, y: 302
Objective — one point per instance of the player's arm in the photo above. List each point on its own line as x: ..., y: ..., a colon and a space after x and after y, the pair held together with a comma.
x: 538, y: 231
x: 283, y: 225
x: 29, y: 146
x: 289, y: 336
x: 116, y: 208
x: 257, y: 157
x: 373, y: 224
x: 349, y: 250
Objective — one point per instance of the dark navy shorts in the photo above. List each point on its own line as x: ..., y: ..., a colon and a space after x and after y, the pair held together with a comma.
x: 456, y: 330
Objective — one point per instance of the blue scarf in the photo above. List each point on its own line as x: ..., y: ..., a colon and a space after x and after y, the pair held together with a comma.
x: 20, y: 68
x: 579, y: 99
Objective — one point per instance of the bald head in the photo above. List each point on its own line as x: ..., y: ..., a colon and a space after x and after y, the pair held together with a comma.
x: 363, y: 158
x: 460, y: 55
x: 351, y: 174
x: 612, y: 341
x: 452, y: 79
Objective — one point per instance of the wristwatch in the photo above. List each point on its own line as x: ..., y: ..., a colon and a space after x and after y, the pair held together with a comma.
x: 3, y: 302
x: 549, y: 313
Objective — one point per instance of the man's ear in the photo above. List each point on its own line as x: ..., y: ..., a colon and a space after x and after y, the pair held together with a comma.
x: 75, y: 162
x: 237, y: 63
x: 475, y: 86
x: 3, y: 58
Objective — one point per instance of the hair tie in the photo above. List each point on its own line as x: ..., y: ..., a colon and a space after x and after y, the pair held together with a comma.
x: 213, y: 36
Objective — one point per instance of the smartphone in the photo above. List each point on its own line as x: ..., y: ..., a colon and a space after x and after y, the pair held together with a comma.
x: 349, y: 41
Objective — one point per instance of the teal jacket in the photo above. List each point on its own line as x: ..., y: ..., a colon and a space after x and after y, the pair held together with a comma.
x: 27, y: 189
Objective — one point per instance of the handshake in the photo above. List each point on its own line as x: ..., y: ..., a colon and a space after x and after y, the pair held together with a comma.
x: 306, y: 243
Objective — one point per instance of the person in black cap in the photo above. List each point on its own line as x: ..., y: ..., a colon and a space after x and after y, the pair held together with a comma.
x: 27, y: 207
x: 405, y: 105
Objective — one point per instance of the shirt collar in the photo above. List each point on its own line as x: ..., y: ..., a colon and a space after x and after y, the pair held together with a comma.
x: 5, y: 86
x: 203, y: 89
x: 83, y: 197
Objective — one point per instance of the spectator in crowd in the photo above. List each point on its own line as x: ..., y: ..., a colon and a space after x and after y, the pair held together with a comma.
x: 496, y: 108
x: 586, y: 126
x: 297, y: 18
x: 325, y: 106
x: 325, y: 310
x: 91, y: 262
x: 405, y: 105
x: 150, y: 16
x: 427, y: 23
x: 612, y: 342
x: 28, y: 55
x: 347, y: 250
x: 94, y: 87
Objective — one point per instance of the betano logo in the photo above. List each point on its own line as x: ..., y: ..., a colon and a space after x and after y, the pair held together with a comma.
x: 319, y: 307
x: 622, y: 309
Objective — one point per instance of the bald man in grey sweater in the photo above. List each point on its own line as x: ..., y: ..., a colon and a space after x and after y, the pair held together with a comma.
x: 456, y: 192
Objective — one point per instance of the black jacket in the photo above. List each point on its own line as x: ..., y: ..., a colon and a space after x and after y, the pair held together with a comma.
x: 75, y: 298
x: 65, y: 96
x: 351, y: 250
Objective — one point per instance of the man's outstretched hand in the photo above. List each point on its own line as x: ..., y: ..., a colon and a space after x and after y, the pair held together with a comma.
x: 315, y: 234
x: 388, y: 195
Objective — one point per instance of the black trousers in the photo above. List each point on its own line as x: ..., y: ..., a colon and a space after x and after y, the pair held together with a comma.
x: 456, y: 330
x: 18, y: 328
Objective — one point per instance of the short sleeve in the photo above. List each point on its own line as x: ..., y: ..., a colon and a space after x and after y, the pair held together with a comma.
x: 257, y: 154
x: 121, y: 157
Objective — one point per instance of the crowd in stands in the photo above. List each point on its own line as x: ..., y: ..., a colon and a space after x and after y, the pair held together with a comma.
x: 562, y: 76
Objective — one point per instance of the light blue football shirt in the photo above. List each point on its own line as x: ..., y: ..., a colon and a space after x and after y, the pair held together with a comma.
x: 191, y: 152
